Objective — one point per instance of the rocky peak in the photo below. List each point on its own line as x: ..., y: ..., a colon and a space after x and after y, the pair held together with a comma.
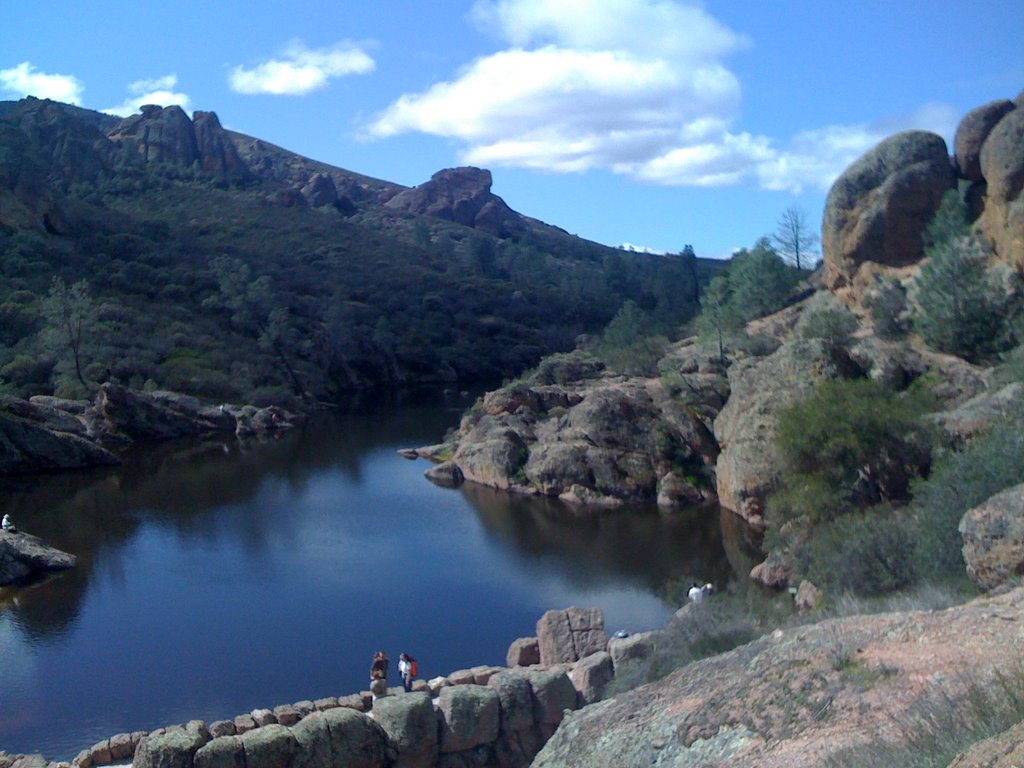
x: 158, y: 135
x: 461, y: 195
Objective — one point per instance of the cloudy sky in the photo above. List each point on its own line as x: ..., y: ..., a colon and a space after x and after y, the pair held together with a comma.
x: 652, y: 122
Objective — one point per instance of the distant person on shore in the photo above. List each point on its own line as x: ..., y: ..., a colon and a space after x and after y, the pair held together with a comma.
x: 697, y: 592
x: 8, y: 525
x: 407, y: 669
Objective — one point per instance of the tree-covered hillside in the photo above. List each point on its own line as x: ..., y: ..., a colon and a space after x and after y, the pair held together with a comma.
x: 196, y: 259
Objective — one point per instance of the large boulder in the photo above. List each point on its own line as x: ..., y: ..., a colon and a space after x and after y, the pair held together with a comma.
x: 878, y: 208
x: 491, y: 453
x: 174, y: 748
x: 468, y: 716
x: 591, y: 676
x: 553, y: 694
x: 993, y: 535
x: 520, y: 738
x: 223, y: 752
x: 748, y: 467
x: 411, y: 724
x: 269, y: 746
x: 971, y: 134
x: 23, y: 556
x: 565, y: 636
x: 357, y: 741
x: 1002, y: 165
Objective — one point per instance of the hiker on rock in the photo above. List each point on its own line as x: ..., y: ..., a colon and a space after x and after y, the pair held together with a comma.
x: 7, y: 524
x: 407, y: 669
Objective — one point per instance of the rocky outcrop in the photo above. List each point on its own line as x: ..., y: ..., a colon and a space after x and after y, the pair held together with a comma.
x: 601, y: 439
x: 38, y: 438
x: 877, y: 210
x: 461, y: 195
x: 799, y: 696
x: 993, y: 535
x: 23, y: 557
x: 748, y: 467
x: 320, y: 190
x: 158, y: 135
x: 46, y: 434
x: 217, y: 153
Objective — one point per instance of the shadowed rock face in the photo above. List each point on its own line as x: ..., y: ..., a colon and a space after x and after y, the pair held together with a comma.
x: 877, y: 210
x: 461, y: 195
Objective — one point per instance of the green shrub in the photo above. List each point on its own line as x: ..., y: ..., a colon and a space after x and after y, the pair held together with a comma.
x: 888, y: 306
x: 865, y: 441
x: 958, y: 482
x: 825, y: 317
x: 868, y: 554
x: 960, y: 305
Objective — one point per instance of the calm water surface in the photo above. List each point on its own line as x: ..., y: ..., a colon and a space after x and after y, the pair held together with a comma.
x: 218, y: 577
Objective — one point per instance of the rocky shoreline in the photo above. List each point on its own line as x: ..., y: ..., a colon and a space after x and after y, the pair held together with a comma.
x: 497, y: 715
x: 45, y: 434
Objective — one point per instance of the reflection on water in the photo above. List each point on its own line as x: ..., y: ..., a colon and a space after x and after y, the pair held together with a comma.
x: 219, y: 576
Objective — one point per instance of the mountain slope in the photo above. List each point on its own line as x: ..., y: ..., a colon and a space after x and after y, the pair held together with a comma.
x: 225, y: 266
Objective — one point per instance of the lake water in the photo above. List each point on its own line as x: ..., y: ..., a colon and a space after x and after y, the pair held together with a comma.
x: 221, y: 576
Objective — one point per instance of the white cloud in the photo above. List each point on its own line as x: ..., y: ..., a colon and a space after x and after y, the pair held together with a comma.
x: 24, y: 80
x: 301, y: 70
x: 640, y: 87
x: 156, y: 91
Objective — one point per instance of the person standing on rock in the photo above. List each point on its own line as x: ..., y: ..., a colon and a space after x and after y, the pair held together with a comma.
x: 407, y: 669
x: 379, y: 675
x: 7, y: 524
x: 696, y: 593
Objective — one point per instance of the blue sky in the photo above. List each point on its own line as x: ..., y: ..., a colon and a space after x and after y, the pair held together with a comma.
x: 653, y: 122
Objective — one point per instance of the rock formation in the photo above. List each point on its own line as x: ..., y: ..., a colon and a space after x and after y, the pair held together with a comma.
x: 461, y: 195
x: 594, y: 438
x: 158, y: 135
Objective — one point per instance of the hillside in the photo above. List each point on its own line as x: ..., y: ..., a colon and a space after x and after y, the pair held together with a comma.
x: 220, y: 265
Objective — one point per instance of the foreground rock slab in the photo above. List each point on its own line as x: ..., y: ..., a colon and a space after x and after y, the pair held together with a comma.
x: 797, y: 697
